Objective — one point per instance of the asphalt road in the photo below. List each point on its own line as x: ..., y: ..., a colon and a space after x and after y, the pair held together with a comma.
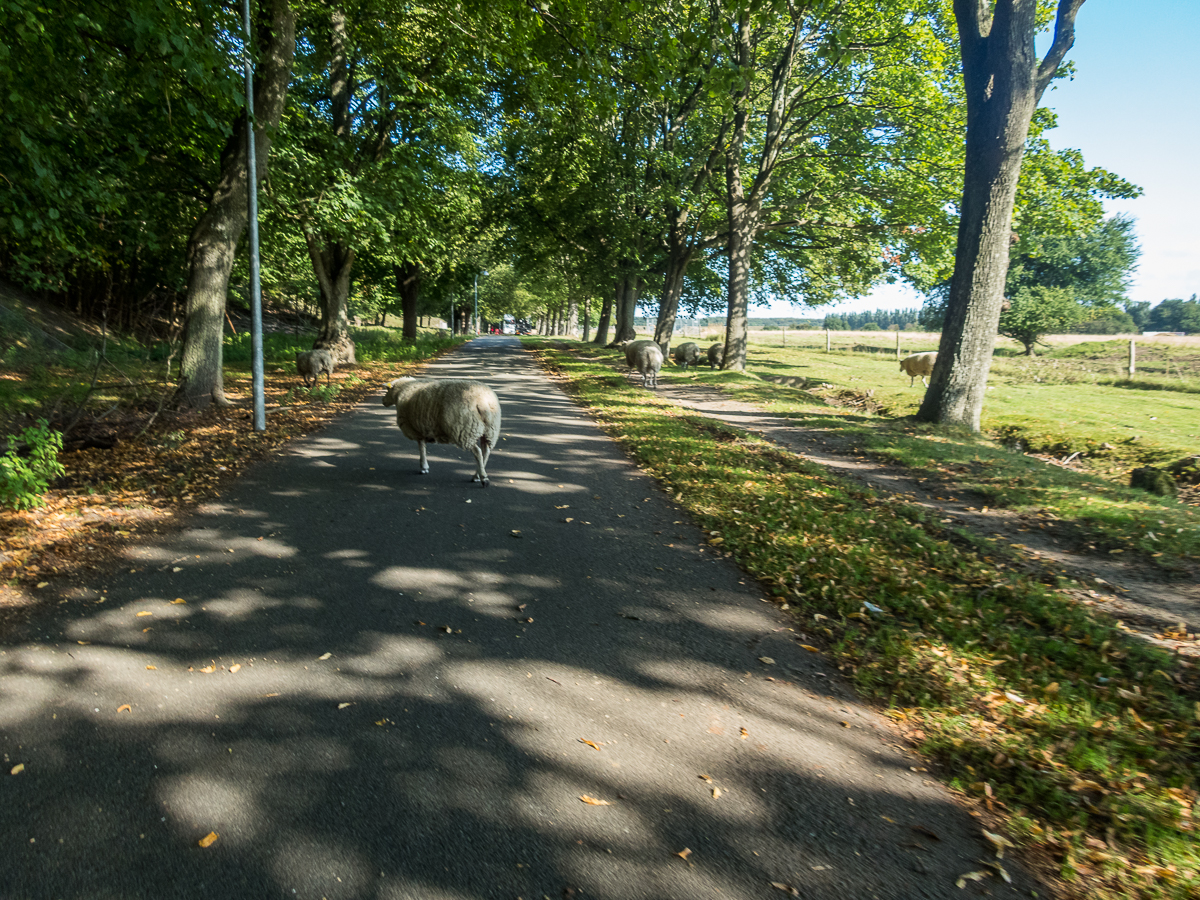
x: 414, y: 681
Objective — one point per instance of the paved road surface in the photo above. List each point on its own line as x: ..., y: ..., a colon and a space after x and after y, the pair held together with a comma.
x: 416, y: 680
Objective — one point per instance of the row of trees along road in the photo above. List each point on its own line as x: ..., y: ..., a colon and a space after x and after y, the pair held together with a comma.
x: 590, y: 156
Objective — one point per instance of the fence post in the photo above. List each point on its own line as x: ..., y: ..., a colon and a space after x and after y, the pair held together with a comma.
x: 784, y: 335
x: 1132, y: 357
x: 826, y: 340
x: 897, y: 345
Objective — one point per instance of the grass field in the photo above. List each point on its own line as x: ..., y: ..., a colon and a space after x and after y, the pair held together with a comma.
x: 1051, y: 407
x: 1083, y: 738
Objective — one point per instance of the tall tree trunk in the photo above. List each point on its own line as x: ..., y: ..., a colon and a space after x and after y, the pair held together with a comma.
x: 214, y: 240
x: 1004, y: 83
x: 741, y: 220
x: 678, y: 258
x: 332, y: 264
x: 333, y: 258
x: 628, y: 288
x: 586, y: 322
x: 408, y: 285
x: 602, y: 323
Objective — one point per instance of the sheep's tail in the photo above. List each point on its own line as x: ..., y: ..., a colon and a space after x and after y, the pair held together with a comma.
x: 484, y: 443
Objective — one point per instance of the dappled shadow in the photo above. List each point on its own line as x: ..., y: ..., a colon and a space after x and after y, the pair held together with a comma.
x: 414, y: 680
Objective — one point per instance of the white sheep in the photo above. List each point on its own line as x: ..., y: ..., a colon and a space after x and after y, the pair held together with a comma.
x: 716, y: 355
x: 647, y: 358
x: 451, y: 411
x: 918, y: 364
x: 687, y: 353
x: 311, y: 363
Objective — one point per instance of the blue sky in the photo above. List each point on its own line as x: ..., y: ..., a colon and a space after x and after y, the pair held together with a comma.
x: 1133, y: 108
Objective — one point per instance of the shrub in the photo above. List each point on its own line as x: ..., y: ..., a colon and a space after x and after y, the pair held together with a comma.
x: 23, y: 480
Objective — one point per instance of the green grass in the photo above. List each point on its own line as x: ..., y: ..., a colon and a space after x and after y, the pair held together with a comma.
x: 1114, y: 430
x: 1084, y: 737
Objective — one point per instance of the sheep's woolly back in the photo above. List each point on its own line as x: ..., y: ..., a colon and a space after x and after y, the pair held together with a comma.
x: 645, y: 356
x: 452, y: 411
x: 716, y: 355
x: 919, y: 364
x: 311, y: 363
x: 687, y: 353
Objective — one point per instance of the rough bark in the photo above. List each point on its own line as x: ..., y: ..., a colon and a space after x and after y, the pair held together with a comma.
x: 408, y: 285
x: 332, y: 264
x: 333, y: 258
x: 628, y: 289
x: 741, y: 224
x: 679, y: 256
x: 1004, y: 83
x: 213, y: 242
x: 602, y: 322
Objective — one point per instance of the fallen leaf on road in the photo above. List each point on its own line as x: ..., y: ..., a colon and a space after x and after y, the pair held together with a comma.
x: 208, y: 670
x: 325, y: 656
x: 178, y: 601
x: 564, y: 506
x: 145, y: 612
x: 151, y: 667
x: 85, y: 643
x: 177, y: 569
x: 17, y: 769
x: 971, y: 876
x: 786, y: 888
x: 446, y: 628
x: 716, y: 792
x: 592, y: 801
x: 998, y: 842
x: 705, y: 778
x: 590, y: 744
x: 124, y: 707
x: 684, y: 853
x: 745, y: 734
x: 516, y: 532
x: 810, y: 648
x: 1003, y: 872
x: 209, y: 839
x: 766, y: 660
x: 234, y: 668
x: 344, y: 705
x: 42, y: 584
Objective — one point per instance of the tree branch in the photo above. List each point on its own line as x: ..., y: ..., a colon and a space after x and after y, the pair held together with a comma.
x: 1064, y: 38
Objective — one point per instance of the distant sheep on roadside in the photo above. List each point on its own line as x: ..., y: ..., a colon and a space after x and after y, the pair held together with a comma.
x: 919, y: 364
x: 687, y: 354
x: 716, y: 355
x: 311, y: 363
x: 452, y: 411
x: 646, y: 357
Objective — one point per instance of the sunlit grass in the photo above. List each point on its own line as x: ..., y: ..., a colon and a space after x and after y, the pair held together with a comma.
x: 1083, y: 736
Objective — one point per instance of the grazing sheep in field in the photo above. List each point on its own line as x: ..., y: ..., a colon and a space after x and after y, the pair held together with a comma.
x: 311, y: 363
x: 687, y: 353
x: 716, y: 355
x: 452, y: 411
x: 918, y: 364
x: 647, y: 358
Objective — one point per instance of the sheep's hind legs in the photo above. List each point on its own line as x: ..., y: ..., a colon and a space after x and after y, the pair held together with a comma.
x: 424, y: 470
x: 481, y: 458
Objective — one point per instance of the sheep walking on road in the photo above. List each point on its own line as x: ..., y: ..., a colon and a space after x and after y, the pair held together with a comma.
x: 645, y: 357
x: 716, y: 355
x: 687, y: 354
x: 453, y: 411
x: 918, y: 364
x: 311, y: 363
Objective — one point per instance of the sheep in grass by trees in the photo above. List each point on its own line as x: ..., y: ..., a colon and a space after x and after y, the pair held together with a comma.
x: 688, y: 353
x: 919, y: 364
x: 647, y: 358
x: 451, y: 411
x: 311, y: 363
x: 716, y: 355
